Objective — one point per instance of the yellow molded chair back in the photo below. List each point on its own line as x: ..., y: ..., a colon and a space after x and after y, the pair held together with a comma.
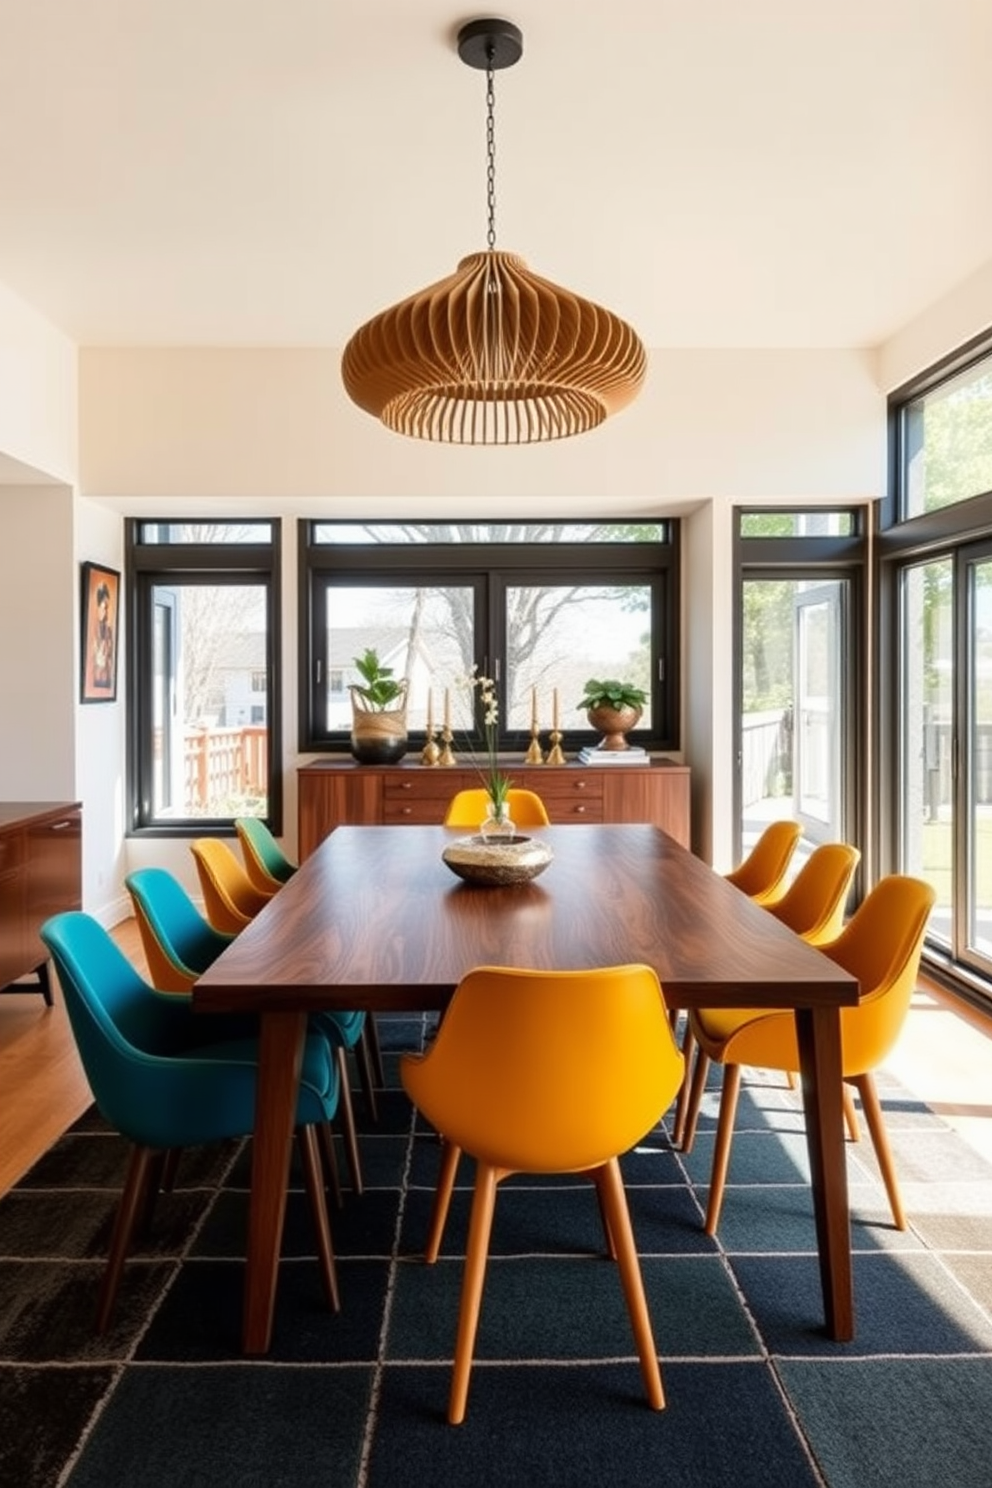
x: 546, y: 1072
x: 813, y: 905
x: 761, y: 874
x: 761, y: 877
x: 468, y: 808
x: 229, y: 896
x: 881, y: 946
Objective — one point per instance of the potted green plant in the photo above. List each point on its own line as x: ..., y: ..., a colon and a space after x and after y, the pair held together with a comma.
x: 378, y: 712
x: 614, y: 708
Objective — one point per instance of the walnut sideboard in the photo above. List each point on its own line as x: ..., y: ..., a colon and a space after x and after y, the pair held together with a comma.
x: 341, y: 792
x: 40, y: 874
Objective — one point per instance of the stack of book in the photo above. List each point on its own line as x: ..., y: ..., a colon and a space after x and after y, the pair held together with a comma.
x: 632, y: 755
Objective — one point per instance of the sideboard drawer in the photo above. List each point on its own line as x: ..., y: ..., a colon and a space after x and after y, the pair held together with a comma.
x: 421, y: 796
x: 568, y: 794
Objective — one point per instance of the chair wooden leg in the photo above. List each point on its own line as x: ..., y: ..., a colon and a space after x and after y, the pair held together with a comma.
x: 609, y: 1186
x: 133, y: 1200
x: 699, y: 1073
x: 450, y: 1155
x: 347, y: 1115
x: 154, y: 1183
x: 850, y: 1114
x: 371, y: 1034
x: 611, y: 1249
x: 480, y: 1227
x: 325, y: 1133
x: 721, y: 1150
x: 880, y: 1141
x: 366, y: 1072
x: 682, y: 1099
x: 314, y: 1181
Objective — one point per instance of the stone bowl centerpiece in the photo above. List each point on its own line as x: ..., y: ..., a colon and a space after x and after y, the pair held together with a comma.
x: 497, y: 862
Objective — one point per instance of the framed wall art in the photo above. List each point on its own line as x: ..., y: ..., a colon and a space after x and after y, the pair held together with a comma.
x: 100, y: 589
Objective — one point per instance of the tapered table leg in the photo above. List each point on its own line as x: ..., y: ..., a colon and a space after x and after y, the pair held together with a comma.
x: 820, y: 1055
x: 280, y: 1057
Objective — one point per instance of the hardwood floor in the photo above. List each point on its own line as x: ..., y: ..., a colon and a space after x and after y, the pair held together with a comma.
x: 42, y: 1086
x: 944, y: 1056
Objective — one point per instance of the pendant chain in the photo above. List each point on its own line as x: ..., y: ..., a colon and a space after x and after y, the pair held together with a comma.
x: 491, y: 150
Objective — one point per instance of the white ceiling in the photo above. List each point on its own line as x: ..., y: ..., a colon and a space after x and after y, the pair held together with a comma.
x: 274, y: 172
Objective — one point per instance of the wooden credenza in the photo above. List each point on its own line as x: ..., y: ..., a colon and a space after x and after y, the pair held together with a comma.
x: 41, y: 873
x: 341, y: 792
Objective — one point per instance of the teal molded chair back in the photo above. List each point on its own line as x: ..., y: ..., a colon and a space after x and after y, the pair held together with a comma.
x: 166, y: 1077
x: 179, y: 943
x: 265, y: 861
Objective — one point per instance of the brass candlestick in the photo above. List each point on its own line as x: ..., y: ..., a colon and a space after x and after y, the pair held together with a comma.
x: 555, y: 753
x: 534, y: 755
x: 446, y: 756
x: 431, y: 753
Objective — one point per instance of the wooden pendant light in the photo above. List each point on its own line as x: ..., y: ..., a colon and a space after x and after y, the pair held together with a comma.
x: 493, y: 354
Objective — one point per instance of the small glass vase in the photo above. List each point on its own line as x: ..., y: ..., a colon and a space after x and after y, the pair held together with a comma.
x: 497, y: 825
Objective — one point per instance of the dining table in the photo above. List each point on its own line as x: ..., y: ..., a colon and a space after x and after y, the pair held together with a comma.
x: 375, y: 919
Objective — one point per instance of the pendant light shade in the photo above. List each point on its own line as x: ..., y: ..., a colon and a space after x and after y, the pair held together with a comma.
x: 493, y: 354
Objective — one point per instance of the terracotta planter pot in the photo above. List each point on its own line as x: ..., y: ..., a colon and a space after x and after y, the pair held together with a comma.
x: 614, y: 724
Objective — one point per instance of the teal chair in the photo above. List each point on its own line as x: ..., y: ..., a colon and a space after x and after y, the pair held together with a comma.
x: 179, y: 945
x: 265, y: 861
x: 167, y: 1078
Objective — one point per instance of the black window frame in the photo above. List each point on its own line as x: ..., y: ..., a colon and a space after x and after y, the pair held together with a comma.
x: 149, y: 564
x: 892, y: 513
x: 813, y: 557
x: 902, y: 542
x: 491, y: 568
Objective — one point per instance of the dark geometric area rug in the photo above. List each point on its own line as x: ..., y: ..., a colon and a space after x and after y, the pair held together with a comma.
x: 757, y: 1396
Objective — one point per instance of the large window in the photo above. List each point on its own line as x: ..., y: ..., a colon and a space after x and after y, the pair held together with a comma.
x: 204, y: 612
x: 945, y: 441
x: 936, y: 619
x: 541, y: 608
x: 799, y: 675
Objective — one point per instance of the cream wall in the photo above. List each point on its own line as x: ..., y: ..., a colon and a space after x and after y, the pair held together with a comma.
x: 960, y: 315
x: 38, y: 393
x: 37, y: 464
x: 37, y: 618
x: 730, y: 425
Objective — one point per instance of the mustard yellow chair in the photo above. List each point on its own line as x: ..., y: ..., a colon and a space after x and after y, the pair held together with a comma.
x: 813, y: 906
x: 230, y: 898
x: 881, y: 946
x: 761, y: 875
x: 468, y: 808
x: 516, y: 1079
x: 814, y: 903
